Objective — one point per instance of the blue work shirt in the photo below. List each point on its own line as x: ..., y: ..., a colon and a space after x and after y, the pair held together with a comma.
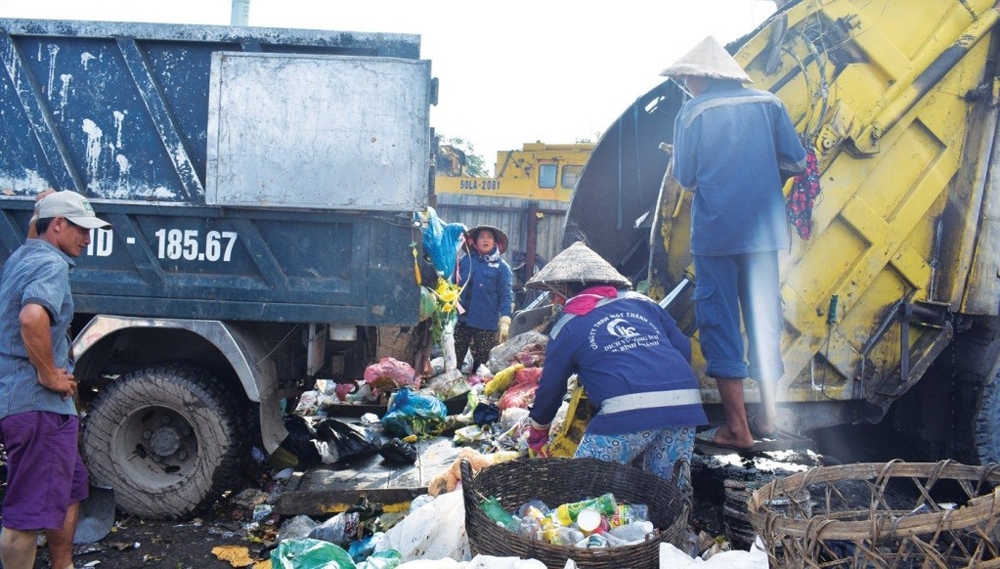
x: 729, y: 143
x: 36, y: 273
x: 489, y: 294
x: 633, y: 362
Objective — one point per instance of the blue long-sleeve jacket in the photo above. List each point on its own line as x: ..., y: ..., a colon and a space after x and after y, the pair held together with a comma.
x: 633, y: 361
x: 490, y: 294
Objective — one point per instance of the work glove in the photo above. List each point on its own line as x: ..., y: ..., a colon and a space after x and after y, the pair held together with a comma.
x: 504, y: 328
x: 538, y: 440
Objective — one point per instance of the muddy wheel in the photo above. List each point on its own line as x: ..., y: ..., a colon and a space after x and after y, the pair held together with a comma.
x: 168, y: 439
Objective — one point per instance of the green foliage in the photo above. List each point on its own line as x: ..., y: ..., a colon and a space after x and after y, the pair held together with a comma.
x: 475, y: 164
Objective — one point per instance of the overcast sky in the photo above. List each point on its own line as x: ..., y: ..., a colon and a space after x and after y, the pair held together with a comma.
x: 510, y: 72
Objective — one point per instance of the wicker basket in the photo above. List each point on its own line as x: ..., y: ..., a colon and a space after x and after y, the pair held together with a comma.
x: 561, y: 480
x: 894, y: 514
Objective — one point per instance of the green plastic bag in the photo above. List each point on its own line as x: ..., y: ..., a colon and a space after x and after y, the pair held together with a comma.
x: 310, y: 554
x: 387, y: 559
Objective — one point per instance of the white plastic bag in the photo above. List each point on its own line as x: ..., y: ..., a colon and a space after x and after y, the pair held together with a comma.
x: 435, y: 531
x: 756, y: 558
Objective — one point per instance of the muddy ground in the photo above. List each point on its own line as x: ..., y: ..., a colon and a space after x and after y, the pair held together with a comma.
x: 135, y: 543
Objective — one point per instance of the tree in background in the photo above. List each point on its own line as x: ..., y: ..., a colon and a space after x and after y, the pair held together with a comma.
x: 455, y: 149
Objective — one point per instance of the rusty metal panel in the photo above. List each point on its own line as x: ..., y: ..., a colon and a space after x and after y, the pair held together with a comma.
x: 321, y: 132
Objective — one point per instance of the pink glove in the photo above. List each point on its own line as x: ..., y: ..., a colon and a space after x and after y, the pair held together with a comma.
x: 538, y: 441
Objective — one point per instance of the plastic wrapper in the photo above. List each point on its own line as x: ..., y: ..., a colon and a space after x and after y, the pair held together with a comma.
x: 505, y: 354
x: 341, y: 529
x: 410, y: 413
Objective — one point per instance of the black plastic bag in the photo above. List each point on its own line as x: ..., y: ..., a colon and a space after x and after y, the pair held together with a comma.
x: 328, y: 442
x: 398, y: 452
x: 338, y: 441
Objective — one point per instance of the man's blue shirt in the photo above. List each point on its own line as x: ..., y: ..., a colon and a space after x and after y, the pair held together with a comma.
x: 36, y: 273
x: 729, y: 143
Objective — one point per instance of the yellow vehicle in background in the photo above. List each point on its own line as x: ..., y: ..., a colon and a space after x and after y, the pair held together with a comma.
x: 892, y: 308
x: 536, y: 172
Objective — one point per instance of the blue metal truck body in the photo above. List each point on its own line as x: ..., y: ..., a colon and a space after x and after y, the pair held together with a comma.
x: 262, y: 185
x: 121, y: 112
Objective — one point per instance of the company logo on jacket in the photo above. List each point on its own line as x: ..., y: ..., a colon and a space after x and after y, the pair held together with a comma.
x: 622, y: 332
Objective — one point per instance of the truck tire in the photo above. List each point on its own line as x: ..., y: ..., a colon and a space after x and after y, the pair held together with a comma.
x: 168, y: 439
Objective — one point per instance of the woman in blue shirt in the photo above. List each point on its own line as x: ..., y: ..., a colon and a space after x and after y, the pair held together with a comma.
x: 487, y: 295
x: 632, y: 360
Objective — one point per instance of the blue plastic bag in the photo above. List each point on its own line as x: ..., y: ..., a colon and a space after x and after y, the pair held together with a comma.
x: 441, y: 242
x: 410, y: 413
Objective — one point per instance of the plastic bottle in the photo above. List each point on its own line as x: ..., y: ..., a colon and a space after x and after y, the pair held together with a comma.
x: 632, y: 531
x: 499, y: 514
x: 566, y: 513
x: 628, y: 513
x: 591, y: 521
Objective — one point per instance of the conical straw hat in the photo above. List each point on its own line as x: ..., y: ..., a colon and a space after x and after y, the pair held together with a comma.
x: 577, y: 264
x: 707, y: 59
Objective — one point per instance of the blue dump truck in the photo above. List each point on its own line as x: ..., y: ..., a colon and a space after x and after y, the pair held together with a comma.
x: 262, y: 185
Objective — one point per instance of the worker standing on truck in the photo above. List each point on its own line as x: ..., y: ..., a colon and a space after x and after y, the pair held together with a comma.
x: 633, y: 362
x: 731, y: 147
x: 487, y: 297
x: 46, y: 478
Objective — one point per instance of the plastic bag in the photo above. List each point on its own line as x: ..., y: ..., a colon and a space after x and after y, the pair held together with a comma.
x: 338, y: 441
x: 434, y: 531
x: 389, y: 374
x: 522, y: 392
x: 389, y: 559
x: 441, y: 242
x: 755, y: 558
x: 396, y: 451
x: 310, y: 554
x: 339, y: 530
x: 414, y: 414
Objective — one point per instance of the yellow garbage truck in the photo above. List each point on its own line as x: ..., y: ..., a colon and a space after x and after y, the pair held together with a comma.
x: 891, y: 307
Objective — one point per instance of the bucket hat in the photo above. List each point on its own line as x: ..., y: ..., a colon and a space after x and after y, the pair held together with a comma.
x: 72, y: 206
x: 577, y: 264
x: 707, y: 59
x: 500, y: 236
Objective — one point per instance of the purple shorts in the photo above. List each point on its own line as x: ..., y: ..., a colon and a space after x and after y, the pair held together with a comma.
x: 45, y: 473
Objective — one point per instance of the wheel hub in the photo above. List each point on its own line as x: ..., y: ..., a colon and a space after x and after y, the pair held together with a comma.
x: 165, y: 441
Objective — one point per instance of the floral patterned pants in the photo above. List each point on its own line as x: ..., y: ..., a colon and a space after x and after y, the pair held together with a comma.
x: 665, y: 451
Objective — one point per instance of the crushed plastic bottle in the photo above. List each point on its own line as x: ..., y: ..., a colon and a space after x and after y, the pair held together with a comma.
x: 496, y: 512
x: 566, y: 513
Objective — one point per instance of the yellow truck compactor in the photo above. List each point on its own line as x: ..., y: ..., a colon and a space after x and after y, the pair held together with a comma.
x: 891, y: 308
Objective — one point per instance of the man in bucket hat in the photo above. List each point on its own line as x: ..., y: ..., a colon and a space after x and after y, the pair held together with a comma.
x: 487, y: 297
x: 731, y: 147
x: 632, y: 360
x: 46, y: 479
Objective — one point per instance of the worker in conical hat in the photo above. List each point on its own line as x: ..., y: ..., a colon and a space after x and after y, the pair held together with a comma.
x: 631, y: 358
x: 487, y: 297
x: 731, y: 147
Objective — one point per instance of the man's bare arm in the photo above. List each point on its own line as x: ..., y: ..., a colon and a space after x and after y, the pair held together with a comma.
x: 37, y: 336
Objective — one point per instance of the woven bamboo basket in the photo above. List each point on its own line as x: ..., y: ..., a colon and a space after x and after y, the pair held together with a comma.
x: 895, y: 514
x: 557, y: 481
